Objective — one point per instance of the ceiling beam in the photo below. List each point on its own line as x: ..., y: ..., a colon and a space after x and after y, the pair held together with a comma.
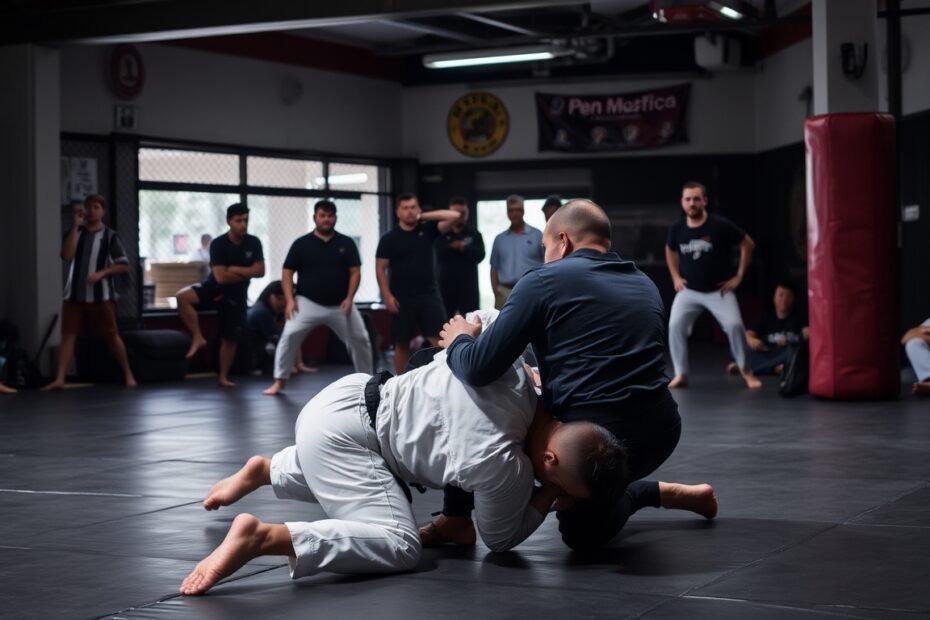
x: 496, y: 23
x: 438, y: 31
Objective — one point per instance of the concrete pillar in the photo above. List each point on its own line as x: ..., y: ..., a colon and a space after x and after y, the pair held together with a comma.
x: 836, y: 22
x: 30, y: 220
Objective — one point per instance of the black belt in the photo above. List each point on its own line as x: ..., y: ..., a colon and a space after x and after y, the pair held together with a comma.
x: 372, y: 400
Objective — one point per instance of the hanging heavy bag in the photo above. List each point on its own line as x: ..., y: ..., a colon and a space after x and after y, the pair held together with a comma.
x: 797, y: 369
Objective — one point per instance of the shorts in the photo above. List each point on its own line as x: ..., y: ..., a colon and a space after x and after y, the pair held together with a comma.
x: 423, y: 314
x: 230, y: 311
x: 102, y: 313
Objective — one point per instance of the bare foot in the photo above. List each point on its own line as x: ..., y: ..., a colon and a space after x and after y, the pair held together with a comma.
x: 680, y: 381
x: 732, y: 369
x: 57, y: 384
x: 921, y: 388
x: 779, y: 369
x: 131, y: 382
x: 225, y: 383
x: 275, y: 388
x: 196, y: 345
x: 242, y: 543
x: 5, y: 389
x: 255, y: 473
x: 698, y: 498
x: 445, y: 530
x: 752, y: 382
x: 308, y: 369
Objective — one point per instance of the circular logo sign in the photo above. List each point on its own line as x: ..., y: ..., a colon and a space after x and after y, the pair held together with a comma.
x: 477, y: 124
x: 127, y: 73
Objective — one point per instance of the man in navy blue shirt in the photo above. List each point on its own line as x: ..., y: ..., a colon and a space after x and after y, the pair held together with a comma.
x: 597, y: 326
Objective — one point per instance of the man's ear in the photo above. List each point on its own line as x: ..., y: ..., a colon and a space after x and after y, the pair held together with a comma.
x: 566, y: 244
x: 550, y: 458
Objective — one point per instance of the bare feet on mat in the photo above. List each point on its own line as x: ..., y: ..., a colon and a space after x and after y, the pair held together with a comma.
x: 680, y: 381
x: 698, y: 498
x: 5, y: 389
x: 304, y: 368
x: 779, y: 369
x: 275, y: 388
x: 196, y: 345
x: 242, y: 543
x: 131, y: 382
x: 255, y: 473
x: 57, y: 384
x: 752, y: 382
x: 225, y: 383
x: 732, y: 369
x: 445, y: 530
x: 921, y: 388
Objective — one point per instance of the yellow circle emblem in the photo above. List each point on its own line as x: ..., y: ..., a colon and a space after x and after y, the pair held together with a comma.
x: 477, y: 124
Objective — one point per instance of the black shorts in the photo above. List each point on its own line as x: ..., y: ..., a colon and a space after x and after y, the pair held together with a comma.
x: 423, y: 314
x: 230, y: 310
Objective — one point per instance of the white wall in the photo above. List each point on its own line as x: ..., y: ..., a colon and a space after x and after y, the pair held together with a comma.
x: 721, y: 119
x: 196, y: 95
x: 780, y: 114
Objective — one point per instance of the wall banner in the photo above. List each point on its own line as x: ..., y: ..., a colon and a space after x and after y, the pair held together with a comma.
x: 603, y: 123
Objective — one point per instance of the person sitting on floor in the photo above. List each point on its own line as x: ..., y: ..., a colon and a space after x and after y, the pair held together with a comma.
x: 360, y: 437
x: 916, y: 343
x: 769, y: 338
x: 264, y: 325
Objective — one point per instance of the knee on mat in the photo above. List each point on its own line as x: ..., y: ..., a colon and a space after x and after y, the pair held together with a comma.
x: 408, y: 550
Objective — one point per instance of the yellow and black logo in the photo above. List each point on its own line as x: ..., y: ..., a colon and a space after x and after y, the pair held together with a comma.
x: 477, y: 124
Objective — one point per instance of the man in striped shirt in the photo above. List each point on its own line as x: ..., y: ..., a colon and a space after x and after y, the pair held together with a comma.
x: 96, y: 254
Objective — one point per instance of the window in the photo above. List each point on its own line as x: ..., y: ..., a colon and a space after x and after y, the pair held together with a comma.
x: 491, y: 221
x: 183, y: 195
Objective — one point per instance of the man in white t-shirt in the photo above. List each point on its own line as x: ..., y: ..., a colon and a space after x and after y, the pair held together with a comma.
x: 429, y: 429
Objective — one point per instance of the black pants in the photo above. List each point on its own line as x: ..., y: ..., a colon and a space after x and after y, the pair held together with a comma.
x: 649, y: 440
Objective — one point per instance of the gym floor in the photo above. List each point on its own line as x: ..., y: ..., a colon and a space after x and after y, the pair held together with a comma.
x: 824, y: 511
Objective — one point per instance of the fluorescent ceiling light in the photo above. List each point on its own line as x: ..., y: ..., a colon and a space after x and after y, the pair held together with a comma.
x: 526, y: 53
x: 726, y: 11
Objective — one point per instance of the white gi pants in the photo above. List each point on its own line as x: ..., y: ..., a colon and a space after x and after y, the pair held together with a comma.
x: 336, y: 463
x: 918, y: 353
x: 350, y: 329
x: 686, y: 308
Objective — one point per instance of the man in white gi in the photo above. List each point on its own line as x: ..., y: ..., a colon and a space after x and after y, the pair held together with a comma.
x: 429, y: 429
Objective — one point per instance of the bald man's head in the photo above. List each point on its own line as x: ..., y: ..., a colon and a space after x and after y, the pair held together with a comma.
x: 590, y: 461
x: 577, y: 224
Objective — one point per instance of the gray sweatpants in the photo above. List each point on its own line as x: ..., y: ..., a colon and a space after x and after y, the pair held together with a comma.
x: 686, y: 308
x: 350, y: 329
x: 918, y: 353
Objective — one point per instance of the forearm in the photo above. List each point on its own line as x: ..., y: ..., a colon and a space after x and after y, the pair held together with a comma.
x: 745, y: 256
x: 440, y: 215
x: 116, y: 269
x: 287, y: 284
x: 69, y: 245
x: 671, y: 259
x: 355, y: 278
x: 495, y: 281
x: 382, y: 275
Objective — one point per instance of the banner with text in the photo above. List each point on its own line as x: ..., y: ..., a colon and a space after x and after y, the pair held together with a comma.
x: 603, y: 123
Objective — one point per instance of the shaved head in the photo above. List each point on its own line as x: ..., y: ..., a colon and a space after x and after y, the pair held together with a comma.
x: 583, y: 221
x: 593, y: 459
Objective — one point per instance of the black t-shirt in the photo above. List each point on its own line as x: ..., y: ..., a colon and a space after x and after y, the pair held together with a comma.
x: 223, y: 252
x: 455, y: 264
x: 770, y: 329
x: 705, y: 253
x: 411, y: 255
x: 323, y: 267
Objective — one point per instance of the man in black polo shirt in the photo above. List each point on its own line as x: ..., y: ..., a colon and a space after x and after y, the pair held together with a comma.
x: 597, y: 326
x: 235, y: 258
x: 458, y: 253
x: 328, y: 271
x: 699, y: 254
x: 412, y: 294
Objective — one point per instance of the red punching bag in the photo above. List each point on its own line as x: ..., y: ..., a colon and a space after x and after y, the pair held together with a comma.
x: 851, y: 255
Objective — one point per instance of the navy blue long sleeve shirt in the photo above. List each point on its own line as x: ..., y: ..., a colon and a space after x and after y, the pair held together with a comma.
x: 597, y: 326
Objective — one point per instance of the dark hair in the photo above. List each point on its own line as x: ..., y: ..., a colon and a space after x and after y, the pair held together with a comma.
x: 604, y: 465
x: 695, y: 185
x: 273, y: 288
x: 405, y: 196
x: 553, y: 200
x: 788, y: 284
x: 236, y: 209
x: 205, y: 237
x: 95, y: 198
x: 458, y: 200
x: 325, y: 205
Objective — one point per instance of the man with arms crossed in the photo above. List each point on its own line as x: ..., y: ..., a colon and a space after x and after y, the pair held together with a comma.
x: 458, y: 253
x: 597, y: 326
x: 411, y: 293
x: 359, y: 437
x: 328, y: 271
x: 699, y: 254
x: 235, y: 258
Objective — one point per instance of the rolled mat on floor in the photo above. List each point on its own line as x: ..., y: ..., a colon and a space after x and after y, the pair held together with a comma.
x: 851, y: 256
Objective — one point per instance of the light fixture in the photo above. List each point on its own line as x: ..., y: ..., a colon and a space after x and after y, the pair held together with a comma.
x: 697, y: 11
x: 725, y: 10
x: 494, y: 56
x: 351, y: 178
